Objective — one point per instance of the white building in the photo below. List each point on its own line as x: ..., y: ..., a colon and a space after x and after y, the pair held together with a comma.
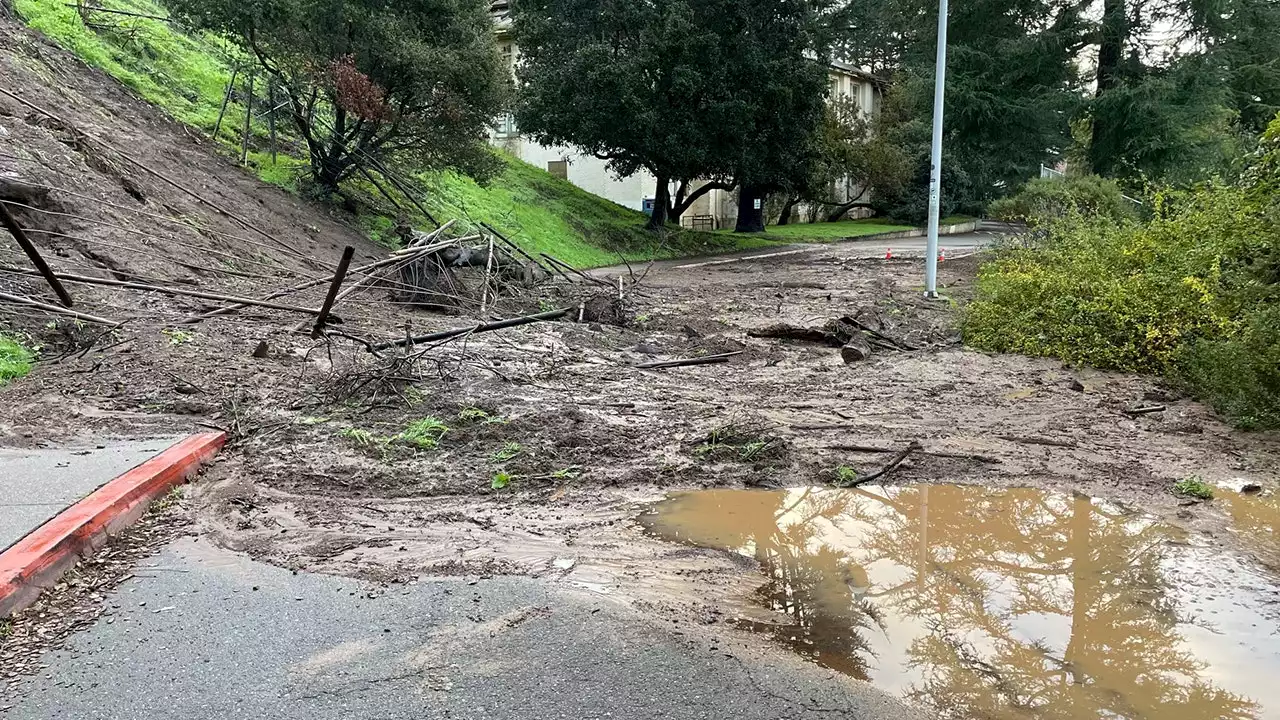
x: 717, y: 208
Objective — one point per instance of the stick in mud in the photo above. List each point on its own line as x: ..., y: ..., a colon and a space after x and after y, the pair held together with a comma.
x: 901, y: 457
x: 332, y: 295
x: 476, y: 329
x: 168, y: 290
x: 29, y: 248
x: 18, y: 299
x: 704, y: 360
x: 932, y: 453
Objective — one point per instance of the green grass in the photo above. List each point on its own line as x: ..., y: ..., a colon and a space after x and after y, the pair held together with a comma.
x: 826, y: 231
x: 424, y: 434
x: 182, y: 74
x: 15, y: 360
x: 844, y: 229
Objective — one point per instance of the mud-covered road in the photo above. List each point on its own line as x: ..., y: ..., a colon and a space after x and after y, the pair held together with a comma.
x: 583, y: 440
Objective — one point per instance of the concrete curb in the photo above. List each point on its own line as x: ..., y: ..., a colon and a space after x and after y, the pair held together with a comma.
x: 955, y: 229
x: 37, y: 561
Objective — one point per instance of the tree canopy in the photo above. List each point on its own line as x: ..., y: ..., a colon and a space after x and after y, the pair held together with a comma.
x: 723, y: 90
x: 368, y: 81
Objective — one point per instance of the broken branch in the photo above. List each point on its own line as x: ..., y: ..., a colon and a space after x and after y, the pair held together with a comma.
x: 704, y: 360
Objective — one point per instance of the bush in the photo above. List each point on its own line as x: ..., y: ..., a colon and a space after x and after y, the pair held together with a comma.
x: 1043, y: 200
x: 15, y: 360
x: 1194, y: 293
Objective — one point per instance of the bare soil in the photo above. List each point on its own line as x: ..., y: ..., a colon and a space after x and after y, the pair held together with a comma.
x: 321, y: 477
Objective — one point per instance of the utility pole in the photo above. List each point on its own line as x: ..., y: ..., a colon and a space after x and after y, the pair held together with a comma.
x: 935, y: 155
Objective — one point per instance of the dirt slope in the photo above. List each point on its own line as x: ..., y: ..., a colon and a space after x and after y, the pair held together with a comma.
x: 101, y: 153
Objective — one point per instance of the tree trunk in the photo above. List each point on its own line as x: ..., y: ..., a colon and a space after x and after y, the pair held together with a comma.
x: 1112, y: 36
x: 785, y: 217
x: 661, y: 202
x: 750, y: 209
x: 838, y: 214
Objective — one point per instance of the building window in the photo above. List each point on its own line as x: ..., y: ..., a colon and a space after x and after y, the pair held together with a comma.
x: 506, y: 126
x: 559, y: 168
x: 505, y: 50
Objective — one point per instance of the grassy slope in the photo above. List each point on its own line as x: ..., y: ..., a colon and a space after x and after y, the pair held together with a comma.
x: 187, y: 76
x: 552, y: 215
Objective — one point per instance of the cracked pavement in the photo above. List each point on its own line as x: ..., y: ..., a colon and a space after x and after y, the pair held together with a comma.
x: 200, y: 632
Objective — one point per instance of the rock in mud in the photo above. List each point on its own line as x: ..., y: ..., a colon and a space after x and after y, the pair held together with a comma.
x: 855, y: 350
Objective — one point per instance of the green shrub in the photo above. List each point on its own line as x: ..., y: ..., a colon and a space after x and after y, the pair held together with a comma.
x: 15, y: 360
x: 1194, y: 293
x: 1041, y: 201
x: 1193, y: 486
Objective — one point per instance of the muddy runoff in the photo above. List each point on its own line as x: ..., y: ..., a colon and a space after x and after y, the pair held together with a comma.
x: 1004, y: 603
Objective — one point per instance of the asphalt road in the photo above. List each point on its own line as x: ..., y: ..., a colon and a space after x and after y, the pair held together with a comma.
x: 954, y: 245
x: 201, y: 633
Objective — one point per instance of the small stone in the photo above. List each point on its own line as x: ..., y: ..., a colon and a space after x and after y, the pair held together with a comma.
x: 1076, y: 385
x: 1250, y: 488
x: 262, y: 350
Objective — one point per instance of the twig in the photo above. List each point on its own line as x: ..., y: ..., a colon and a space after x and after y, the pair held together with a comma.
x: 575, y: 271
x: 339, y: 275
x: 877, y: 449
x: 475, y: 329
x: 248, y: 116
x: 512, y: 245
x: 704, y: 360
x: 1039, y: 441
x: 167, y: 290
x: 913, y: 446
x: 30, y: 249
x: 312, y: 283
x: 1147, y: 410
x: 95, y: 8
x: 55, y: 309
x: 898, y: 344
x: 484, y: 285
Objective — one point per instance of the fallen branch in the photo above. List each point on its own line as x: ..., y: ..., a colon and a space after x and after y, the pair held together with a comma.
x: 56, y: 310
x: 1039, y: 441
x: 167, y: 290
x: 931, y: 453
x: 475, y: 329
x: 704, y: 360
x: 895, y: 342
x: 227, y: 310
x: 912, y: 447
x: 1147, y: 410
x: 512, y: 245
x: 575, y: 271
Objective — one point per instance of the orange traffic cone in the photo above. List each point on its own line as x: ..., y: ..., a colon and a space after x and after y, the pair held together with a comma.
x: 942, y: 255
x: 888, y: 253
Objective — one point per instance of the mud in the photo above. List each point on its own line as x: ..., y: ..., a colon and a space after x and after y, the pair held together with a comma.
x: 1010, y: 603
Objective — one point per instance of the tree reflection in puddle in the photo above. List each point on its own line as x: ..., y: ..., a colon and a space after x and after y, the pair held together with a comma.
x: 982, y: 603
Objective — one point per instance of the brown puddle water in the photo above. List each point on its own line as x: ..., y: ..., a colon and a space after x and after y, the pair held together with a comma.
x: 1004, y: 603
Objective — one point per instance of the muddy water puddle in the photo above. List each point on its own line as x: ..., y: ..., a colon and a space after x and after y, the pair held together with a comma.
x: 1004, y: 603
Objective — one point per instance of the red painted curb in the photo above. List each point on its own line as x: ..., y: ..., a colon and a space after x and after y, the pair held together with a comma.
x: 39, y: 559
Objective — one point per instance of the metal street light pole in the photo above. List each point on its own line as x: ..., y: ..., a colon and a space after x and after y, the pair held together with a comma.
x: 935, y: 155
